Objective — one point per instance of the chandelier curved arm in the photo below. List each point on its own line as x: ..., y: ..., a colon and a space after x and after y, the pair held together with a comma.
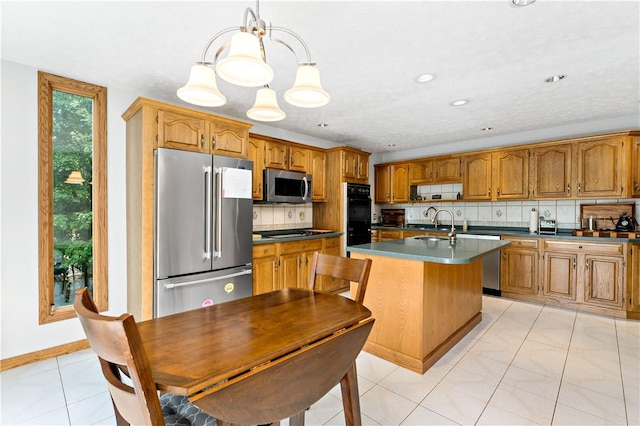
x: 296, y: 36
x: 212, y: 40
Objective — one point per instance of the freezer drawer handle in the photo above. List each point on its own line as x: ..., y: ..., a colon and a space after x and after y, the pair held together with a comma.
x: 223, y: 277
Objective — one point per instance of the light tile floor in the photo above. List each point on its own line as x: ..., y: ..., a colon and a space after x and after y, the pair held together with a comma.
x: 524, y: 364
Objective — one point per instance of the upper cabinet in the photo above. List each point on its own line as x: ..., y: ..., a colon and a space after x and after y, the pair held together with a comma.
x: 476, y: 176
x: 510, y: 174
x: 317, y: 167
x: 189, y: 131
x: 255, y: 152
x: 392, y: 183
x: 435, y: 170
x: 600, y: 168
x: 276, y: 155
x: 551, y: 171
x: 355, y: 166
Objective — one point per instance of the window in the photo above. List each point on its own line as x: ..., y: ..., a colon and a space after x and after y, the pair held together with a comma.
x: 72, y: 194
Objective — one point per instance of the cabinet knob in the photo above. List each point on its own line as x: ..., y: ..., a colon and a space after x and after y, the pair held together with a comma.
x: 568, y: 189
x: 489, y: 192
x: 579, y: 187
x: 498, y: 191
x: 213, y: 142
x: 265, y: 251
x: 201, y: 141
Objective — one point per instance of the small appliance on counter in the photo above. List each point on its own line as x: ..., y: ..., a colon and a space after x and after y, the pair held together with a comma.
x: 547, y: 226
x: 393, y: 217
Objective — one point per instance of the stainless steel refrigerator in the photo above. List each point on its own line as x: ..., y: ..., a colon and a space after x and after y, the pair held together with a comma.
x: 203, y: 230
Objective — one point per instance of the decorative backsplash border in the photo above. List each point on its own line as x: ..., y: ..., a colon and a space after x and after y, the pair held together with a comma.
x: 267, y: 217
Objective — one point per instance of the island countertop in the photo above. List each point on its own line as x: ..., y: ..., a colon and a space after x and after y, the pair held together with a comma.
x: 435, y: 250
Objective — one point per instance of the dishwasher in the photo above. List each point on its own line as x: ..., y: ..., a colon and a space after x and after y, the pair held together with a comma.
x: 490, y: 266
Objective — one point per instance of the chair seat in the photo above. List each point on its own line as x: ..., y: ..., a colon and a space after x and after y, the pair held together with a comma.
x: 178, y: 411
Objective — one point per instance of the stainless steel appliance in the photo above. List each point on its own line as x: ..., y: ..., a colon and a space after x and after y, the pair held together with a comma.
x: 490, y: 266
x: 283, y: 186
x: 203, y: 227
x: 357, y: 218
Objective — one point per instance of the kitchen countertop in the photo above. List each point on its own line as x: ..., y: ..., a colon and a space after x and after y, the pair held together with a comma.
x: 437, y: 250
x: 270, y: 237
x: 504, y: 232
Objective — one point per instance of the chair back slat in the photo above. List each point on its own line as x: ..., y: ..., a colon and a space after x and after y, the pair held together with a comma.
x: 117, y: 343
x: 344, y: 268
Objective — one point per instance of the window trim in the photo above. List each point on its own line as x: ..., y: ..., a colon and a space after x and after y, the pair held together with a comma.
x: 47, y: 83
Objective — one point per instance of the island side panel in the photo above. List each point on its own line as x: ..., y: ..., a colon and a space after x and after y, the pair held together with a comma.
x: 422, y: 309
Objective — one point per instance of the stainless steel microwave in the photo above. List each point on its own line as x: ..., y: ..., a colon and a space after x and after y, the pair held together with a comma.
x: 283, y: 186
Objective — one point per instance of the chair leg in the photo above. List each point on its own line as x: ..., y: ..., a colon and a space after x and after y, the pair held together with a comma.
x: 297, y: 419
x: 350, y: 397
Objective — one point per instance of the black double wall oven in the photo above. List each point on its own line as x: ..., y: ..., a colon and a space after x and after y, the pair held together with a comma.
x: 358, y: 213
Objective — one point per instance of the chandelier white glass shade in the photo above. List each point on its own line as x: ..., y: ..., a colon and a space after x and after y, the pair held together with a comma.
x: 245, y: 65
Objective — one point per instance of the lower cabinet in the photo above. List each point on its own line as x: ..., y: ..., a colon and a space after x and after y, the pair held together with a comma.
x: 265, y: 268
x: 633, y: 281
x: 295, y: 261
x: 519, y: 266
x: 333, y: 285
x: 586, y: 275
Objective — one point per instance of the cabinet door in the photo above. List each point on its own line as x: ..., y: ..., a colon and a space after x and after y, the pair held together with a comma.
x: 600, y: 168
x: 633, y: 279
x: 383, y: 184
x: 420, y: 172
x: 276, y: 155
x: 519, y: 271
x: 476, y: 177
x: 363, y: 167
x: 603, y: 280
x: 255, y: 153
x: 560, y: 275
x: 636, y: 167
x: 290, y: 270
x: 446, y: 170
x: 228, y: 140
x: 400, y: 182
x: 551, y: 171
x: 511, y: 174
x: 180, y: 131
x: 349, y: 165
x: 319, y: 186
x: 298, y: 159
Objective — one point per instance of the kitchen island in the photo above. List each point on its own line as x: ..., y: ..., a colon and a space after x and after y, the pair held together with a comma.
x: 426, y: 295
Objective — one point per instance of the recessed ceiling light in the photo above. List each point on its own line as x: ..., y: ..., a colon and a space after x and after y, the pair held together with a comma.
x: 392, y: 145
x: 486, y: 129
x: 323, y: 125
x: 424, y: 78
x: 522, y: 2
x: 555, y: 78
x: 459, y: 102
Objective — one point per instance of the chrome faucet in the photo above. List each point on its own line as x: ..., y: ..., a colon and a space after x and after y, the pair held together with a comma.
x: 452, y: 234
x: 433, y: 220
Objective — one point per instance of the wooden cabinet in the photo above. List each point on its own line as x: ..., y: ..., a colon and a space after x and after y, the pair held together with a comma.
x: 510, y: 179
x: 392, y: 183
x: 299, y: 159
x: 600, y: 168
x: 355, y: 166
x: 476, y: 177
x: 152, y: 124
x: 588, y: 273
x: 189, y: 132
x: 317, y: 167
x: 331, y: 246
x: 636, y: 167
x: 295, y: 261
x: 276, y: 155
x: 519, y: 269
x: 551, y: 171
x: 633, y: 281
x: 265, y: 268
x: 435, y: 170
x: 255, y: 152
x: 388, y: 235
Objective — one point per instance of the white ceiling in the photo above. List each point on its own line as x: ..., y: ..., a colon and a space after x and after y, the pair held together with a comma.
x: 492, y: 53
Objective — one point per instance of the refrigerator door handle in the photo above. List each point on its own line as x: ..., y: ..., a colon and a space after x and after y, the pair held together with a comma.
x: 218, y: 228
x: 207, y: 209
x: 223, y: 277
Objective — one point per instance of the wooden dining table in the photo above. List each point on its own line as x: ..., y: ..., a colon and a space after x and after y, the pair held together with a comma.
x: 262, y: 358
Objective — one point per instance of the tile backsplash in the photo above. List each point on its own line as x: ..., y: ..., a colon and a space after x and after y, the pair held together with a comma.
x: 267, y: 217
x: 506, y: 213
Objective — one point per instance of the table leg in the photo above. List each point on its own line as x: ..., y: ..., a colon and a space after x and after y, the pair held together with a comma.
x: 350, y: 397
x: 297, y: 419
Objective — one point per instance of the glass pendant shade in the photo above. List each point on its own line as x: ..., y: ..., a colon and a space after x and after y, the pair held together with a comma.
x: 266, y: 107
x: 307, y: 92
x: 201, y: 89
x: 244, y: 65
x: 75, y: 178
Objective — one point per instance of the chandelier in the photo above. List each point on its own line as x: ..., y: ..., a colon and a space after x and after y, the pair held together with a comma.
x: 246, y: 65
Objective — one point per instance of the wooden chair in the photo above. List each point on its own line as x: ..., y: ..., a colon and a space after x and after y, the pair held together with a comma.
x: 345, y: 268
x: 117, y: 343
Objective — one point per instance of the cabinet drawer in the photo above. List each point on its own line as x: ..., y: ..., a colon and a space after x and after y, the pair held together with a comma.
x: 585, y: 247
x: 264, y: 250
x: 331, y: 242
x: 522, y: 242
x: 298, y: 246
